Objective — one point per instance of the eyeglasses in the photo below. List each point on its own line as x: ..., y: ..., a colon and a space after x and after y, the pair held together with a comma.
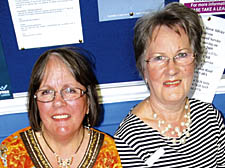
x: 69, y: 93
x: 182, y: 58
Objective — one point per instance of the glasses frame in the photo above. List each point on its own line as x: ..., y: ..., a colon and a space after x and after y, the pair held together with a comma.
x: 82, y: 93
x: 174, y: 60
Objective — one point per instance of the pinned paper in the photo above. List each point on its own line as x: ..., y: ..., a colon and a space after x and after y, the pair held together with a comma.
x: 207, y: 76
x: 46, y: 23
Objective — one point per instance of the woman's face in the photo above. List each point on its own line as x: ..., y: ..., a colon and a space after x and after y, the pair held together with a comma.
x: 59, y: 117
x: 169, y: 83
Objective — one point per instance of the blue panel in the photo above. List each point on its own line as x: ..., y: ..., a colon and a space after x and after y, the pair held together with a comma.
x: 12, y: 123
x: 219, y: 102
x: 113, y: 115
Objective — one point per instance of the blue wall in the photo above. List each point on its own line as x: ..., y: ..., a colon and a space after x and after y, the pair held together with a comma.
x: 112, y: 115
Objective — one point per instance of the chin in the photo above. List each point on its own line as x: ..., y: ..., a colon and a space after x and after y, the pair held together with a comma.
x: 174, y: 98
x: 63, y: 130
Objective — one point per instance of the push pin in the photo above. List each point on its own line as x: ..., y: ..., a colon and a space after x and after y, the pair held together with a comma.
x: 131, y: 13
x: 80, y: 41
x: 209, y: 18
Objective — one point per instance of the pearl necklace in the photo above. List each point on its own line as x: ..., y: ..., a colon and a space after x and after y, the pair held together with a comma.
x: 63, y: 163
x: 175, y: 131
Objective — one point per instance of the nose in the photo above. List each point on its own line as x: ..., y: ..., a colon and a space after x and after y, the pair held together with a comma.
x: 172, y: 68
x: 58, y: 100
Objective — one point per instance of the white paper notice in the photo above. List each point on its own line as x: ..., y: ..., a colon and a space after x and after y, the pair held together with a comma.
x: 206, y: 78
x: 41, y: 23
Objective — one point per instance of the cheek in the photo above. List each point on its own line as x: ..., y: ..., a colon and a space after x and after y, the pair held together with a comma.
x: 80, y: 106
x: 43, y: 108
x: 189, y: 72
x: 153, y: 75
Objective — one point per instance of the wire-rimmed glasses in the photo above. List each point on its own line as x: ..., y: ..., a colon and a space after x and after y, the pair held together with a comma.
x: 182, y: 58
x: 68, y: 93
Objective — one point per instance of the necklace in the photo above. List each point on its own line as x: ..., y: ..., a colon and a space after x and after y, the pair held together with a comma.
x: 63, y: 163
x: 176, y: 132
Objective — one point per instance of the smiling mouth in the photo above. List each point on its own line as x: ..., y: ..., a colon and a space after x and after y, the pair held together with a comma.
x: 61, y: 116
x: 172, y: 83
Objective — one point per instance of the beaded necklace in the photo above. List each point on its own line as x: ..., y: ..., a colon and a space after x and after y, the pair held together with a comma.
x: 175, y: 131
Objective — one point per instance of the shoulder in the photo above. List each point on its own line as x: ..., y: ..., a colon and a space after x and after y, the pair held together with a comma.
x: 13, y: 150
x: 107, y: 138
x: 10, y: 140
x: 205, y: 111
x: 132, y: 129
x: 198, y: 103
x: 108, y: 150
x: 129, y: 125
x: 198, y: 106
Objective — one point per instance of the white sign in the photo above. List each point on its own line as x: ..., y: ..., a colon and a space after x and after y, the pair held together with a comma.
x: 207, y: 77
x: 41, y: 23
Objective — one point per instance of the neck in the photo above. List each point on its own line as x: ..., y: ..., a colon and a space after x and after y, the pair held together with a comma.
x: 173, y: 112
x: 70, y: 145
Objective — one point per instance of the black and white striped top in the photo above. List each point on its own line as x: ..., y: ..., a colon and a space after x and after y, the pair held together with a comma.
x: 138, y: 144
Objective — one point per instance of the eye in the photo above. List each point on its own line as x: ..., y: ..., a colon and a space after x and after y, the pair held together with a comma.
x: 45, y: 92
x: 158, y: 58
x: 71, y: 90
x: 181, y: 55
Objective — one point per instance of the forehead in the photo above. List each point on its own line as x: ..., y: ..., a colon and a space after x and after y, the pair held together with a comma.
x: 56, y: 69
x: 158, y: 30
x: 167, y: 38
x: 56, y: 64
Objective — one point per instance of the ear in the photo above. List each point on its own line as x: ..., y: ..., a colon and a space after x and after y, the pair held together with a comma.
x: 87, y: 111
x: 145, y: 77
x: 88, y: 104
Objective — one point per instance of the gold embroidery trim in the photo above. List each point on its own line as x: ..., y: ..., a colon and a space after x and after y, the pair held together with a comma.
x: 40, y: 160
x: 34, y: 150
x: 94, y: 146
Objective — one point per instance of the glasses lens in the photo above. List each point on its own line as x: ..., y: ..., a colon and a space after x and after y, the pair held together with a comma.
x: 71, y: 93
x: 157, y: 61
x: 45, y: 95
x: 184, y: 58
